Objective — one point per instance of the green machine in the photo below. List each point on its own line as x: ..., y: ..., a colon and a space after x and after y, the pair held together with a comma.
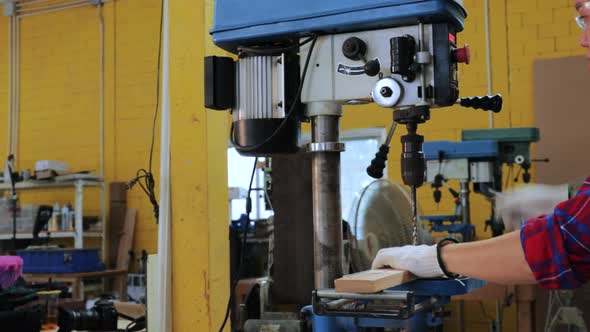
x: 514, y: 146
x: 478, y: 159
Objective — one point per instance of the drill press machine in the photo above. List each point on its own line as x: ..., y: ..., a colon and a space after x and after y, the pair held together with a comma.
x: 302, y: 61
x: 477, y: 159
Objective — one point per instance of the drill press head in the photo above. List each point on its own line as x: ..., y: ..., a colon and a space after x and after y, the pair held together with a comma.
x: 397, y: 53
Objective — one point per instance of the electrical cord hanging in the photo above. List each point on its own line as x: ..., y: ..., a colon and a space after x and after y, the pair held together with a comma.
x: 292, y: 109
x: 135, y: 324
x: 145, y: 178
x: 242, y: 249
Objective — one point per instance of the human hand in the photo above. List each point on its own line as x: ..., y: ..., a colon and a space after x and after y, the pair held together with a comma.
x: 421, y: 260
x: 517, y: 206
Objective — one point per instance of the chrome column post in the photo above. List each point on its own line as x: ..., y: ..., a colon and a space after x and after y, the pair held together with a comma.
x: 327, y: 215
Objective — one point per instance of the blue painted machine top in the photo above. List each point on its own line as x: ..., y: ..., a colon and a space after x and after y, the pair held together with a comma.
x: 441, y: 287
x: 239, y: 22
x: 461, y: 150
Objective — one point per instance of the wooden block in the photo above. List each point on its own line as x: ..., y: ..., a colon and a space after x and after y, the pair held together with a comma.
x: 117, y: 210
x: 126, y: 241
x: 125, y: 245
x: 118, y: 191
x: 372, y: 281
x: 115, y: 230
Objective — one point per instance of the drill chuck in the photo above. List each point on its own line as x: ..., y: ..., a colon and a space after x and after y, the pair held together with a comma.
x: 413, y: 163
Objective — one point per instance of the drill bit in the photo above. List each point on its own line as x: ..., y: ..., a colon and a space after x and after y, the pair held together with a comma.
x: 414, y: 216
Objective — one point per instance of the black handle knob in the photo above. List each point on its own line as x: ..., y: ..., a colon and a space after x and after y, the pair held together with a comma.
x: 526, y: 177
x: 486, y: 103
x: 354, y: 48
x: 375, y: 170
x: 372, y: 68
x: 437, y: 195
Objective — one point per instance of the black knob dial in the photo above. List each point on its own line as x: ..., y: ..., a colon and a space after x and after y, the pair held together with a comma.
x: 372, y: 68
x: 354, y: 48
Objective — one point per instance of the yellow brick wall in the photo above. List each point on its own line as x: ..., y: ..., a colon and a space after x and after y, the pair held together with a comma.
x: 3, y: 87
x: 59, y: 114
x: 536, y: 30
x: 60, y: 120
x: 134, y: 33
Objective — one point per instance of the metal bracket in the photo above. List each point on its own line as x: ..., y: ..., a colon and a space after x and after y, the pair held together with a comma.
x: 417, y: 114
x: 323, y: 108
x: 387, y: 304
x: 326, y: 147
x: 423, y: 58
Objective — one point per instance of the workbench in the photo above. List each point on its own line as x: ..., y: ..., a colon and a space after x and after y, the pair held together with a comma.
x: 77, y: 280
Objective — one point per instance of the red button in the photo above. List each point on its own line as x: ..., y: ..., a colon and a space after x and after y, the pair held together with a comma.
x: 463, y: 54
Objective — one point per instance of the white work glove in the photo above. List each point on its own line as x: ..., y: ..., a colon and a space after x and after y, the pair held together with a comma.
x: 421, y: 260
x: 517, y: 206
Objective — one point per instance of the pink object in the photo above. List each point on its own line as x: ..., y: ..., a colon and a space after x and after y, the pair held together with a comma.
x: 11, y: 268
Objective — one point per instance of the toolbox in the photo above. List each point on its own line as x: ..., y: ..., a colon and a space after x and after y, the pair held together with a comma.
x: 60, y: 260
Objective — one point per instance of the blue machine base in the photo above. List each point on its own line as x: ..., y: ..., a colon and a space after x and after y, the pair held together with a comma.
x: 424, y: 289
x: 437, y: 224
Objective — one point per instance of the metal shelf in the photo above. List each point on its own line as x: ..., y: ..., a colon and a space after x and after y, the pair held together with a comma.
x: 53, y: 235
x: 49, y: 185
x: 78, y: 183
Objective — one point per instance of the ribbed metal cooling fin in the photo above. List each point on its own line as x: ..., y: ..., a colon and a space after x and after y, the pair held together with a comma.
x: 260, y: 89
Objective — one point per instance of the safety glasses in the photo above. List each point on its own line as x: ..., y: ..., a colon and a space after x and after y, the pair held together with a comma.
x: 581, y: 20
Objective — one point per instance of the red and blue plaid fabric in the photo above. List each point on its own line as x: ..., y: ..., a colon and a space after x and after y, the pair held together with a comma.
x: 557, y: 245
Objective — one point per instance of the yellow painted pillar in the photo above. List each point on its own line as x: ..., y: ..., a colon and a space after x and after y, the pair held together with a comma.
x: 3, y: 88
x: 200, y: 253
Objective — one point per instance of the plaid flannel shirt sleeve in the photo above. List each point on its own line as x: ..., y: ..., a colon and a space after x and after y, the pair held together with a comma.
x: 557, y: 245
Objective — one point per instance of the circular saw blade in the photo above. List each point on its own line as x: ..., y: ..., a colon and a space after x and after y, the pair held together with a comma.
x: 381, y: 217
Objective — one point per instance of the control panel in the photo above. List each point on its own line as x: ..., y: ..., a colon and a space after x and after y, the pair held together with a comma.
x: 396, y: 68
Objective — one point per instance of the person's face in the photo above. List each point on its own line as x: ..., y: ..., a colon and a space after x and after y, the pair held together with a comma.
x: 583, y: 8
